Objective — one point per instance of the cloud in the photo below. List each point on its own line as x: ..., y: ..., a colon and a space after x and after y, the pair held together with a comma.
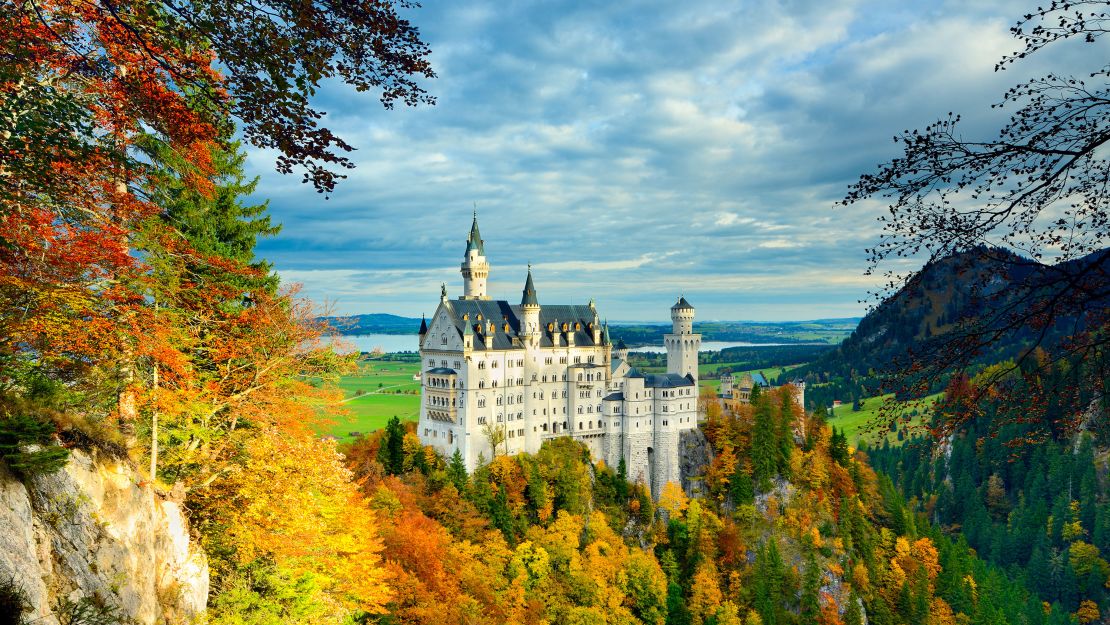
x: 636, y: 150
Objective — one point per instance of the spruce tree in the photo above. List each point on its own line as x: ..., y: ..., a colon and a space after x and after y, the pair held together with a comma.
x: 456, y: 471
x: 811, y: 587
x: 764, y: 453
x: 392, y: 451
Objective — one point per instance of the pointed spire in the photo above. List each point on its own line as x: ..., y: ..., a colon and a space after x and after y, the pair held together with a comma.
x: 423, y: 325
x: 474, y: 242
x: 608, y: 341
x: 529, y: 298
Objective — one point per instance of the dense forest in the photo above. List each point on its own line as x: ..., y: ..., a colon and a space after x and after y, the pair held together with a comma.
x: 793, y: 528
x: 1023, y: 483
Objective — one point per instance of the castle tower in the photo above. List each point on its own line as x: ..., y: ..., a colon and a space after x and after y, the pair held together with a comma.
x: 530, y: 319
x: 682, y: 344
x: 475, y: 267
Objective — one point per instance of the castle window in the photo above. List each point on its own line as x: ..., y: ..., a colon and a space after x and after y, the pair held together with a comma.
x: 547, y: 361
x: 493, y: 364
x: 589, y: 359
x: 500, y: 417
x: 580, y: 411
x: 493, y: 383
x: 563, y: 360
x: 577, y: 359
x: 431, y: 362
x: 579, y: 425
x: 664, y: 423
x: 591, y: 425
x: 481, y: 402
x: 481, y: 384
x: 481, y: 364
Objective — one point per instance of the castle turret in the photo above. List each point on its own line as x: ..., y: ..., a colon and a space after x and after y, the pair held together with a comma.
x: 423, y: 329
x: 530, y: 307
x: 682, y: 344
x: 475, y: 267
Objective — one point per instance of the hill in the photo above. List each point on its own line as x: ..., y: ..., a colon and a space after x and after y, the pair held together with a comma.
x: 964, y: 311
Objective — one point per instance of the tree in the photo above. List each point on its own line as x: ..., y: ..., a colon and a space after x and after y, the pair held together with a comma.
x: 273, y: 57
x: 1037, y: 190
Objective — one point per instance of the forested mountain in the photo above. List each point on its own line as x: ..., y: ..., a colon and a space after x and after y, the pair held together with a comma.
x: 1023, y: 478
x: 941, y: 301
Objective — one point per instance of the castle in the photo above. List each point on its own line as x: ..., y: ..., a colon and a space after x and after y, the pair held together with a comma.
x: 498, y: 377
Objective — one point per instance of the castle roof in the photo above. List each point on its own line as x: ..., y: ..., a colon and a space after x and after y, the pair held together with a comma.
x: 621, y: 345
x: 615, y: 364
x: 443, y: 371
x: 682, y: 304
x: 618, y: 396
x: 475, y: 242
x: 529, y: 298
x: 667, y: 380
x: 423, y: 325
x: 576, y: 317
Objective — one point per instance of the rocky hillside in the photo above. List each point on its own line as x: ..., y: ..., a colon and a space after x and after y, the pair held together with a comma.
x: 91, y: 540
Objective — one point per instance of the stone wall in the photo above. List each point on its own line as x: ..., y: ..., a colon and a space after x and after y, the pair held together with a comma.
x: 90, y: 531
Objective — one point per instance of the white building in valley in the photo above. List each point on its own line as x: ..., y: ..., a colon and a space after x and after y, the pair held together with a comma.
x: 519, y: 374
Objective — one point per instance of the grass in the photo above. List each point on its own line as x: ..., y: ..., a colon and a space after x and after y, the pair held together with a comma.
x: 866, y: 424
x: 387, y: 389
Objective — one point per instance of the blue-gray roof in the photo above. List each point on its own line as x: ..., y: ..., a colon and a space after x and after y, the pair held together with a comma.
x: 615, y: 364
x: 759, y: 379
x: 501, y: 312
x: 529, y: 298
x: 475, y: 242
x: 682, y: 304
x: 442, y: 371
x: 667, y: 380
x: 618, y: 396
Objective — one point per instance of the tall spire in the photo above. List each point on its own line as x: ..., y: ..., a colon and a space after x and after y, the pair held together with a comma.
x: 529, y: 298
x: 474, y: 242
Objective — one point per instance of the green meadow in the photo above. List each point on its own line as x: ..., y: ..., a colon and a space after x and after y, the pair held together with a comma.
x: 869, y: 424
x: 373, y: 394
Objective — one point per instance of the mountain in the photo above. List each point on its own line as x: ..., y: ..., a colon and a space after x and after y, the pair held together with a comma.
x: 969, y: 309
x: 374, y: 323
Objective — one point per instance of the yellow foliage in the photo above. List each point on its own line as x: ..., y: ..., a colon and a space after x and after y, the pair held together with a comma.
x: 292, y: 500
x: 940, y: 613
x: 705, y: 593
x: 673, y: 500
x: 1087, y: 612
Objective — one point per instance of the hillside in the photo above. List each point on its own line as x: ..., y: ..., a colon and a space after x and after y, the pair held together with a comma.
x: 939, y: 317
x: 792, y: 529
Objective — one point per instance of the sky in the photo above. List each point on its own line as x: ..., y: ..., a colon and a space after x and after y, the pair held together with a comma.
x: 638, y: 150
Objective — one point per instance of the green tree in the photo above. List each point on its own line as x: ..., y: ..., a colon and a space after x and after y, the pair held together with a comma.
x: 456, y: 471
x: 392, y: 452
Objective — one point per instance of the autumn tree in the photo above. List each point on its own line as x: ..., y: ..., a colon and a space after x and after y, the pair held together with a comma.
x: 1036, y: 190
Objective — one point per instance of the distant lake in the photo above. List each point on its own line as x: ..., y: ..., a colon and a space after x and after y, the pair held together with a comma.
x: 410, y: 343
x: 710, y: 346
x: 388, y: 343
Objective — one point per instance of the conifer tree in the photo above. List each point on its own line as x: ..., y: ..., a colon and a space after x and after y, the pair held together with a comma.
x: 811, y: 586
x: 764, y: 456
x: 456, y: 471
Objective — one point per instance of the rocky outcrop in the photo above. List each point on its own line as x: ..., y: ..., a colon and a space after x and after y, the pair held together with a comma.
x: 91, y: 535
x: 694, y: 455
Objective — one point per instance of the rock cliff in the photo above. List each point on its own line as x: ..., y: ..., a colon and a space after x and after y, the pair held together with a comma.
x: 89, y: 537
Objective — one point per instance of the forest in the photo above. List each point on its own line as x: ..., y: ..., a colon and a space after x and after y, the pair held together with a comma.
x: 139, y: 328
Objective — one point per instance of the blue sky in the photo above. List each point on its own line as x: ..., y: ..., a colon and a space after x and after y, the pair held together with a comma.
x: 633, y: 150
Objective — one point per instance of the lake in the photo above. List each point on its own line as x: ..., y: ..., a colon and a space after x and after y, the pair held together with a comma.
x: 408, y: 343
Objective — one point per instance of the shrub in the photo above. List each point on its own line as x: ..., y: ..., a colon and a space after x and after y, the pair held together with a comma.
x: 13, y: 601
x: 27, y: 445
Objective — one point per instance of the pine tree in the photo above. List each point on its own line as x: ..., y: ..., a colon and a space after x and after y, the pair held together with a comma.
x: 811, y: 586
x: 764, y: 457
x: 456, y: 471
x: 853, y: 614
x: 392, y: 452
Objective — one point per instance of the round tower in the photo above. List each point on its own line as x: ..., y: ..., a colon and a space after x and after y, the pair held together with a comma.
x: 682, y: 344
x: 530, y: 309
x: 475, y: 267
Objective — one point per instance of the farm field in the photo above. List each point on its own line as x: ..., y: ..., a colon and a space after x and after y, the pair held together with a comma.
x: 865, y: 423
x: 387, y: 389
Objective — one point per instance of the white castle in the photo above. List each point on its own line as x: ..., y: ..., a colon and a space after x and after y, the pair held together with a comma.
x: 515, y: 375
